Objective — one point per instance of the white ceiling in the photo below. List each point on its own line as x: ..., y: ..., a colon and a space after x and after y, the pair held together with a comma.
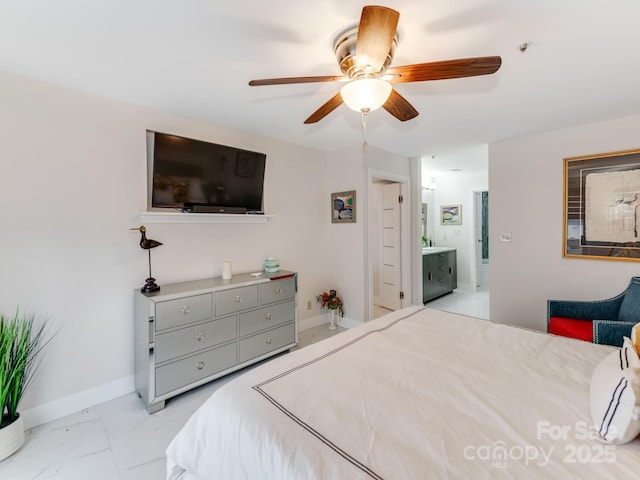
x: 195, y: 57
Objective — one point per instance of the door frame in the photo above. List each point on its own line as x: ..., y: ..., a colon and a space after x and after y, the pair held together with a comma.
x: 405, y: 237
x: 475, y: 273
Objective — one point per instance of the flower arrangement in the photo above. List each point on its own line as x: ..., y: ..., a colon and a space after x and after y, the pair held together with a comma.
x: 332, y: 301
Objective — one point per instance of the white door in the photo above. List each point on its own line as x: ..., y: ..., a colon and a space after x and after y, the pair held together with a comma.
x: 477, y: 233
x: 391, y: 248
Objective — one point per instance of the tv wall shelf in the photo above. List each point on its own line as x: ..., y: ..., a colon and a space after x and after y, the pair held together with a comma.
x: 180, y: 217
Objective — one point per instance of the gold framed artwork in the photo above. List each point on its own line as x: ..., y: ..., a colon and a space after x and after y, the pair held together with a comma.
x: 450, y: 214
x: 602, y: 206
x: 343, y: 207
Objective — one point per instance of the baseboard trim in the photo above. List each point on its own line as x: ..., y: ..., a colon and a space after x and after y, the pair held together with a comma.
x: 312, y: 322
x: 325, y: 318
x: 50, y: 411
x: 466, y: 287
x: 62, y: 407
x: 347, y: 322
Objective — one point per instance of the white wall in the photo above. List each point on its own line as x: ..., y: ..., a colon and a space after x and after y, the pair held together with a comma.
x: 348, y: 258
x: 415, y: 166
x: 382, y: 165
x: 376, y: 240
x: 526, y: 200
x: 73, y: 170
x: 345, y: 240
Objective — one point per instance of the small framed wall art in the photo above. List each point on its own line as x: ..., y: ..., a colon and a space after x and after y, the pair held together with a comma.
x: 450, y: 214
x: 343, y: 207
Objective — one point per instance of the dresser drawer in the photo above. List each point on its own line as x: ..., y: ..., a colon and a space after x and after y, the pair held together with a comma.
x: 194, y: 368
x: 277, y: 290
x: 174, y: 313
x: 191, y: 339
x: 267, y: 341
x: 267, y: 317
x: 236, y: 299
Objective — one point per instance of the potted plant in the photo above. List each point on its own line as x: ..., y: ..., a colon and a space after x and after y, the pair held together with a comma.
x: 20, y: 346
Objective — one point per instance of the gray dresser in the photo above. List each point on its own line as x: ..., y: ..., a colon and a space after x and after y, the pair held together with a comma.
x: 191, y: 333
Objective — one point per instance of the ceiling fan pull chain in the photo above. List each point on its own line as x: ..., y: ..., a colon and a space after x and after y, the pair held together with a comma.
x: 364, y: 126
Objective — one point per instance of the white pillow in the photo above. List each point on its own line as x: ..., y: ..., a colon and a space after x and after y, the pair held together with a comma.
x: 635, y: 337
x: 615, y: 395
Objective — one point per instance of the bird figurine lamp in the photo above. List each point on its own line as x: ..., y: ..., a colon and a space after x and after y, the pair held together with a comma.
x: 147, y: 244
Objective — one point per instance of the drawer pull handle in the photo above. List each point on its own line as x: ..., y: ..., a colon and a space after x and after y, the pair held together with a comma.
x: 199, y: 336
x: 200, y: 365
x: 186, y: 310
x: 238, y: 299
x: 269, y: 316
x: 278, y: 291
x: 268, y: 341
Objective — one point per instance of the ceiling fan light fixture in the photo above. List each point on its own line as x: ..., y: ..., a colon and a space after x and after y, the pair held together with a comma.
x: 365, y: 94
x: 364, y: 53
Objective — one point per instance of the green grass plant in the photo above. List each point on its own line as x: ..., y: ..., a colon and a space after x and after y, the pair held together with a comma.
x: 21, y: 343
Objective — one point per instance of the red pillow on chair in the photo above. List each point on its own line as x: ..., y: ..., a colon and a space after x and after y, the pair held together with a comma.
x: 572, y: 328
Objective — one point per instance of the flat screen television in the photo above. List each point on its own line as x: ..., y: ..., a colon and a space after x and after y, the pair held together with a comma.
x: 197, y: 176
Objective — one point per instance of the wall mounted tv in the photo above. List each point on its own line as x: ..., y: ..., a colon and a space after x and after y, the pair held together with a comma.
x: 202, y: 177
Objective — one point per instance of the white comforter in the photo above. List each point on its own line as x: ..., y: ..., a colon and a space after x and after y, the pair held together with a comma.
x: 417, y: 394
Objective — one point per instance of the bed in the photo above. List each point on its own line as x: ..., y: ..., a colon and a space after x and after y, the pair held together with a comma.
x: 419, y: 393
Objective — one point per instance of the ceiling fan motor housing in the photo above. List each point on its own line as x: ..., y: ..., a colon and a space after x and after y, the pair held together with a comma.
x: 345, y: 48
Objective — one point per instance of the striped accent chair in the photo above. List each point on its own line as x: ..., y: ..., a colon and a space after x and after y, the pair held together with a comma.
x: 599, y: 321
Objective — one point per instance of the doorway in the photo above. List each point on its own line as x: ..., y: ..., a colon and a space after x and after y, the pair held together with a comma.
x: 389, y: 250
x: 480, y: 271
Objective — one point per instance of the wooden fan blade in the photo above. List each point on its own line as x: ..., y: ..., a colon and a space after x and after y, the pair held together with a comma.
x: 375, y: 35
x: 289, y: 80
x: 333, y: 103
x: 462, y: 67
x: 399, y: 107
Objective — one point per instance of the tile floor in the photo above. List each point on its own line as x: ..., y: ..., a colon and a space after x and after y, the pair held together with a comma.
x: 118, y: 440
x: 474, y: 304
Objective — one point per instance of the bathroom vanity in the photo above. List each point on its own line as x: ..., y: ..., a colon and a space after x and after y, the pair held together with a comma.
x: 439, y: 274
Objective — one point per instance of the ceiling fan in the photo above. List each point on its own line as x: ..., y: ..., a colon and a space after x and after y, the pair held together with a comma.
x: 364, y: 54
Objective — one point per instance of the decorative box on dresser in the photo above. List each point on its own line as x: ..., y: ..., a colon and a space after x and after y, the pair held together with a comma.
x: 190, y: 333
